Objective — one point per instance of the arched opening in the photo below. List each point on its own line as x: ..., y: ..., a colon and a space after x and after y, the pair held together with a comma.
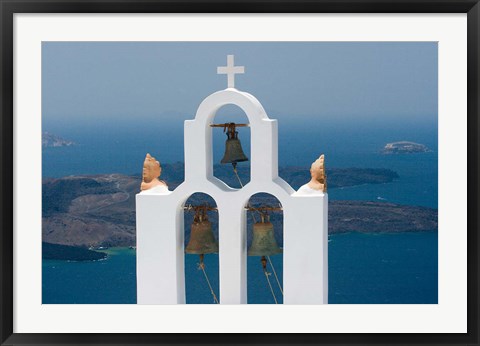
x: 264, y: 249
x: 231, y: 150
x: 201, y: 250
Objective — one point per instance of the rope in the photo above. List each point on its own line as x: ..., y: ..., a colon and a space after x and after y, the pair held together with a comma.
x: 202, y: 267
x: 275, y: 273
x: 271, y: 288
x: 268, y: 279
x: 236, y: 173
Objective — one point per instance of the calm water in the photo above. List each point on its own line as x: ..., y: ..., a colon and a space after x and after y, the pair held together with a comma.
x: 363, y: 268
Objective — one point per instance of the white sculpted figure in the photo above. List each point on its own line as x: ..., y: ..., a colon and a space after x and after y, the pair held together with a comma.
x: 151, y: 173
x: 318, y: 183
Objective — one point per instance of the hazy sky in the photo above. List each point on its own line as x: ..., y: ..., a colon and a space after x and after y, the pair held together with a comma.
x: 130, y: 80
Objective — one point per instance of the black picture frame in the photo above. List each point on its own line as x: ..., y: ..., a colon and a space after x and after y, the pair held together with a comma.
x: 10, y: 7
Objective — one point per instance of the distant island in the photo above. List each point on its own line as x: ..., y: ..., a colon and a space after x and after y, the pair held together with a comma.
x: 379, y: 217
x: 50, y: 140
x: 94, y: 211
x: 404, y: 147
x: 71, y: 253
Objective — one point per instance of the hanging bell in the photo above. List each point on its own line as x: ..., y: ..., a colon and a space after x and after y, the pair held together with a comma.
x: 263, y: 243
x: 233, y: 149
x: 202, y: 240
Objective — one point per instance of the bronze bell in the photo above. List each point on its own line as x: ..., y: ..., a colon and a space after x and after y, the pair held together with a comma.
x: 202, y: 240
x: 263, y: 243
x: 233, y: 149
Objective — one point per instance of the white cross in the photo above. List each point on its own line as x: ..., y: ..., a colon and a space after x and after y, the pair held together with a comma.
x: 230, y: 70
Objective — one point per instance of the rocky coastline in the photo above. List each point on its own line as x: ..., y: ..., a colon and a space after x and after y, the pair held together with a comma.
x: 70, y: 253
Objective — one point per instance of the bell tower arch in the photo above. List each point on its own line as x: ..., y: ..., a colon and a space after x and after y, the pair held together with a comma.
x: 198, y: 152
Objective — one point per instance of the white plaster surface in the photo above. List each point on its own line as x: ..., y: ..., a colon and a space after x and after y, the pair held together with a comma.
x: 307, y: 190
x: 160, y: 229
x: 155, y: 190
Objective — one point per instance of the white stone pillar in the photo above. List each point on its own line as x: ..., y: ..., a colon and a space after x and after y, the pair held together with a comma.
x: 264, y: 151
x: 198, y: 152
x: 232, y: 252
x: 160, y: 260
x: 305, y: 252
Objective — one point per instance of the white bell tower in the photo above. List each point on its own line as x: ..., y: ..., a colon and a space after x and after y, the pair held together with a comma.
x: 160, y: 226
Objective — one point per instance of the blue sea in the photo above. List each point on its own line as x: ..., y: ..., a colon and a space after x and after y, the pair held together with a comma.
x: 364, y: 268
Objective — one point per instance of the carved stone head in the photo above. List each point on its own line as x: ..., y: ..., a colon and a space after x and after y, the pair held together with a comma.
x: 317, y: 170
x: 151, y: 169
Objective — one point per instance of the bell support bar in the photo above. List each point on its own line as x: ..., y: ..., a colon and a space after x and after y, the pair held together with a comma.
x: 230, y: 126
x: 199, y: 207
x: 264, y: 209
x: 207, y: 207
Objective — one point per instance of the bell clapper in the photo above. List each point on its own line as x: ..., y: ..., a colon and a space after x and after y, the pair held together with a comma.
x: 263, y: 260
x: 201, y: 264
